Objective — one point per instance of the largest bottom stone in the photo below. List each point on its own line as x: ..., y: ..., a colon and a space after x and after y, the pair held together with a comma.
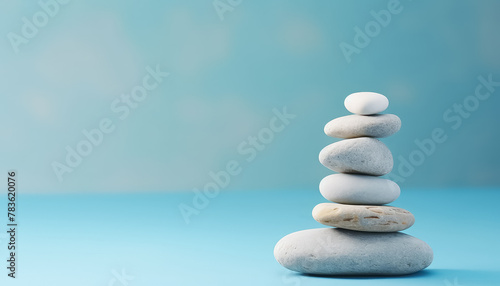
x: 334, y: 251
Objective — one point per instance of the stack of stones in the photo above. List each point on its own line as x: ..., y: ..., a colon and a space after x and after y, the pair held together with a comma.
x: 365, y: 239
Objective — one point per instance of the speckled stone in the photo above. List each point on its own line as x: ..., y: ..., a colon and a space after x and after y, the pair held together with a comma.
x: 353, y: 126
x: 358, y: 156
x: 335, y: 251
x: 363, y: 218
x: 358, y: 189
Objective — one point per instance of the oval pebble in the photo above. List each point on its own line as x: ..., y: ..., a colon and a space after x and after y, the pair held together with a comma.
x: 363, y: 218
x: 358, y: 189
x: 334, y: 251
x: 366, y: 103
x: 358, y: 156
x: 352, y: 126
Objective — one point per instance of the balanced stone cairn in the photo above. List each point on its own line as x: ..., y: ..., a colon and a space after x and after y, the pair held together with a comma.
x: 365, y: 239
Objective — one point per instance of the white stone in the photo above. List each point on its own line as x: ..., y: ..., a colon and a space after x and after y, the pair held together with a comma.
x: 353, y: 126
x: 366, y: 103
x: 358, y: 189
x: 334, y: 251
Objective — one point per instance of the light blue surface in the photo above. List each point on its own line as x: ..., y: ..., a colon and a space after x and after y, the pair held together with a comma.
x: 81, y: 239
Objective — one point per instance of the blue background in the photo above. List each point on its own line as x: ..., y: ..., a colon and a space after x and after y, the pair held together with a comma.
x: 119, y: 208
x: 227, y: 75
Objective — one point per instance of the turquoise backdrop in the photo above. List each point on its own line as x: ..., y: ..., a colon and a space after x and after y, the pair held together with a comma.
x: 209, y: 74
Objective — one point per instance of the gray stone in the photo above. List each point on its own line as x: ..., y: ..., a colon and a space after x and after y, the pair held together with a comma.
x: 363, y: 218
x: 358, y: 156
x: 358, y: 189
x: 334, y: 251
x: 353, y: 126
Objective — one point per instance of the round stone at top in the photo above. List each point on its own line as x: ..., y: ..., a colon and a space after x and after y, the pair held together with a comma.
x: 366, y: 103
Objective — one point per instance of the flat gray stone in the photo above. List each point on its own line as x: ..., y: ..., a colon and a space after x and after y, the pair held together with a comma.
x: 358, y: 189
x: 334, y: 251
x: 363, y: 218
x: 357, y: 156
x: 353, y: 126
